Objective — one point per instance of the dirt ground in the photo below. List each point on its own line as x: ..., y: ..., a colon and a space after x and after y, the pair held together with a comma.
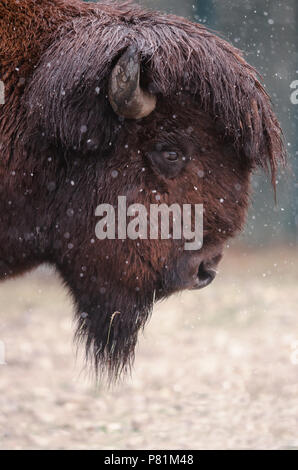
x: 216, y: 369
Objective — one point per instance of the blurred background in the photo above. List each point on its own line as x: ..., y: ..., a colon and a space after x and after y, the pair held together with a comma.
x: 216, y: 369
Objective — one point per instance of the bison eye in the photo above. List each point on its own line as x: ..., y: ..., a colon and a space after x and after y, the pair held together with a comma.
x: 171, y: 156
x: 166, y: 163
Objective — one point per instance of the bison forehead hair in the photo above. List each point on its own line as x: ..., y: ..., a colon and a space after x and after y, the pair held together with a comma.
x: 62, y: 140
x: 177, y: 55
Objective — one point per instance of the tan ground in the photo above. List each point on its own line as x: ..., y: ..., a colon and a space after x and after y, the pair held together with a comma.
x: 216, y: 369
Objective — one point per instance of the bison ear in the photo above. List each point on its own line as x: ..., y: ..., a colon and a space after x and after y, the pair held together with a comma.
x: 70, y: 113
x: 67, y: 100
x: 126, y: 96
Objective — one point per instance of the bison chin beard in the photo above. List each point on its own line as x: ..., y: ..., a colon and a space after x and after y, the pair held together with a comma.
x: 110, y: 329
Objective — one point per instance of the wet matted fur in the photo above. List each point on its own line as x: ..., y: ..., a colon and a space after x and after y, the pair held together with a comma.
x: 60, y: 141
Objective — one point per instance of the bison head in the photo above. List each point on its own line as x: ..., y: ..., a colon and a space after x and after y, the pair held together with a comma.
x: 153, y: 108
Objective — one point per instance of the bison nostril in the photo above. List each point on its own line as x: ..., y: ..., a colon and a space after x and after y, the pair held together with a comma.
x: 205, y: 276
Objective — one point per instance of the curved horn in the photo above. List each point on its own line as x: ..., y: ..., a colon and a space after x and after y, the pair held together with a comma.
x: 127, y: 98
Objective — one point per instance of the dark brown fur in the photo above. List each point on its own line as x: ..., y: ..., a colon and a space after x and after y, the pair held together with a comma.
x: 53, y: 56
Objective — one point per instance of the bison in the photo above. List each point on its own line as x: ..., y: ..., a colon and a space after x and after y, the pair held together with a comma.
x: 109, y: 100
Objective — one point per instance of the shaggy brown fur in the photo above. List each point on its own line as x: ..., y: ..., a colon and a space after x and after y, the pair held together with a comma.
x: 60, y: 141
